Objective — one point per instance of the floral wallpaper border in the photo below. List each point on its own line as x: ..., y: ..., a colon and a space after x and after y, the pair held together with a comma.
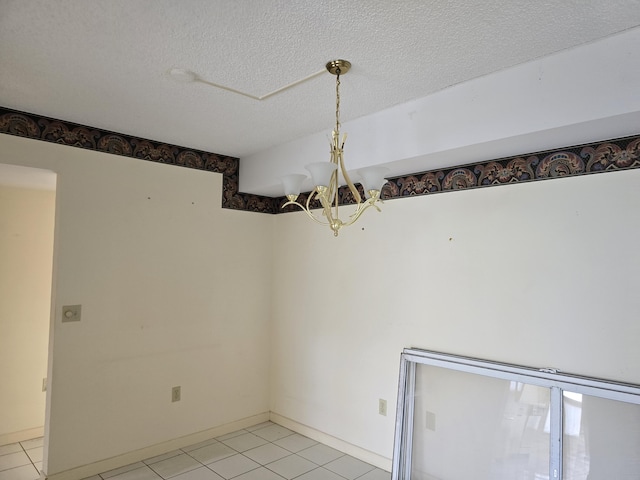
x: 599, y: 157
x: 28, y: 125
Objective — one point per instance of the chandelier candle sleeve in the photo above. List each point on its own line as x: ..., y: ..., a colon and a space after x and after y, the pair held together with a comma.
x: 325, y: 175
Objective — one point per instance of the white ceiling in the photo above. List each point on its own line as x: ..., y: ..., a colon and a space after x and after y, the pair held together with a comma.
x: 106, y: 63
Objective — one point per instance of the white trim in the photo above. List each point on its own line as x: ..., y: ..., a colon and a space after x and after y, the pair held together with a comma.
x: 128, y: 458
x: 21, y: 436
x: 555, y: 434
x: 545, y: 377
x: 374, y: 459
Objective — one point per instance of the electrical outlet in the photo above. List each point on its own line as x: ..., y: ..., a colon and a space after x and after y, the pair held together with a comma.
x: 430, y: 421
x: 382, y: 407
x: 175, y: 394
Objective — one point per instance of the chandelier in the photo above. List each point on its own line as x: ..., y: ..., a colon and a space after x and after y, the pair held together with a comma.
x: 325, y: 175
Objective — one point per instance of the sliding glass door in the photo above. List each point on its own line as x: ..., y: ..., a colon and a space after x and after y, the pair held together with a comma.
x: 461, y: 418
x: 601, y: 438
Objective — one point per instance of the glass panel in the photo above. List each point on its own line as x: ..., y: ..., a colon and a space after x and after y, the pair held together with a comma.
x: 601, y: 438
x: 469, y: 426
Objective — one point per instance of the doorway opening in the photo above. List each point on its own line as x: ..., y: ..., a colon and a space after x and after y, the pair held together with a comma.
x: 27, y: 219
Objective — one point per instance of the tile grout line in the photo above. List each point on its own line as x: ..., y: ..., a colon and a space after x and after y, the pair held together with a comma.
x: 23, y: 450
x: 29, y: 457
x: 264, y: 461
x: 260, y: 465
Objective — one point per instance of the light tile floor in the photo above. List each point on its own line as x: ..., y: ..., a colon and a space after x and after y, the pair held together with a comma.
x: 21, y: 461
x: 263, y: 452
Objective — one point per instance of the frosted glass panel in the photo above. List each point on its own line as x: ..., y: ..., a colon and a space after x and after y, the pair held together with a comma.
x: 470, y: 426
x: 601, y: 438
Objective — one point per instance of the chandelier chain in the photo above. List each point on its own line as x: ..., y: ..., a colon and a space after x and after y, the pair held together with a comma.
x: 338, y: 101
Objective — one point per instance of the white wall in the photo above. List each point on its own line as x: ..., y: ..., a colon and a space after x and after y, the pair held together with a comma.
x: 173, y: 292
x: 176, y: 291
x: 26, y: 255
x: 543, y: 274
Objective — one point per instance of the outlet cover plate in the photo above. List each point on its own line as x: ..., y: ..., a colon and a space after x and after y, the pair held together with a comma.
x: 175, y: 394
x: 382, y: 407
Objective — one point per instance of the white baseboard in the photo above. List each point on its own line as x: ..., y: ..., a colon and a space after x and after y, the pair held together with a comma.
x: 360, y: 453
x: 128, y: 458
x: 102, y: 466
x: 21, y: 436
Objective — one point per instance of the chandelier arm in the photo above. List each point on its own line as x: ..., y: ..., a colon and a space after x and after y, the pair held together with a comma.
x: 336, y: 200
x: 352, y: 187
x: 333, y: 189
x: 326, y: 207
x: 322, y: 197
x: 331, y: 196
x: 307, y: 211
x: 314, y: 218
x: 360, y: 210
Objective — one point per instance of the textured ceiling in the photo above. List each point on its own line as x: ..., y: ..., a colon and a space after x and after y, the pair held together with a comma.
x: 105, y: 63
